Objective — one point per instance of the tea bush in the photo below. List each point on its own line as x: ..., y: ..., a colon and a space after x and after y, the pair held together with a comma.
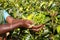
x: 41, y: 12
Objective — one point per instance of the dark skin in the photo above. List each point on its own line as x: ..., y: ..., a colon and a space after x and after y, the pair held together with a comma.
x: 15, y: 23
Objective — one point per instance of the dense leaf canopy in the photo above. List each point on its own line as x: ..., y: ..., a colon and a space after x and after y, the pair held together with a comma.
x: 41, y: 12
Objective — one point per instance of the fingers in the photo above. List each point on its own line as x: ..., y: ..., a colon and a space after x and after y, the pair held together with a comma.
x: 38, y: 26
x: 26, y: 25
x: 37, y: 30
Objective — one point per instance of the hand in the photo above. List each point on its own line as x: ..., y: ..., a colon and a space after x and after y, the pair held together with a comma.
x: 26, y: 23
x: 37, y: 27
x: 29, y: 24
x: 23, y: 22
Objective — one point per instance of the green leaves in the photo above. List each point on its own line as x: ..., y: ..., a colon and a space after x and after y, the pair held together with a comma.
x: 40, y: 11
x: 58, y: 29
x: 39, y: 18
x: 27, y: 37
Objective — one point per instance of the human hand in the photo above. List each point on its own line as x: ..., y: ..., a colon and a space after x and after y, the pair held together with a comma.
x: 26, y: 23
x: 37, y: 27
x: 30, y: 24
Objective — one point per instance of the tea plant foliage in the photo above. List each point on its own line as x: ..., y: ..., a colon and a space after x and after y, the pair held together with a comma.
x: 41, y: 12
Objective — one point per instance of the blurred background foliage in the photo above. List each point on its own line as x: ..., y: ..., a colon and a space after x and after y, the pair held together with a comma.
x: 41, y: 12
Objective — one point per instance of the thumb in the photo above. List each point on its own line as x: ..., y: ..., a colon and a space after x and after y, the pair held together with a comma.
x: 38, y: 26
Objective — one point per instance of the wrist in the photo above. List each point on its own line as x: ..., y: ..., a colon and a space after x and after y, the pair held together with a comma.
x: 10, y: 20
x: 15, y: 25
